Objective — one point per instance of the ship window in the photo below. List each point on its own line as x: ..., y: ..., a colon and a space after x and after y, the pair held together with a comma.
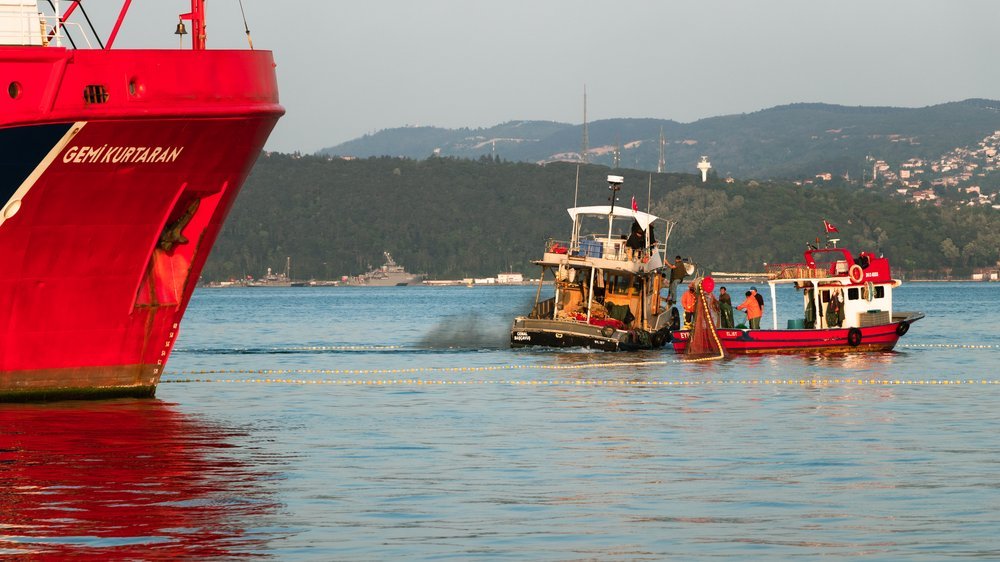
x: 14, y: 90
x: 618, y: 284
x: 853, y: 294
x: 879, y: 292
x: 95, y: 93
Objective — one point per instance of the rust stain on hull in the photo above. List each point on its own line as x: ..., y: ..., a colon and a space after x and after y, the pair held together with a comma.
x: 79, y: 382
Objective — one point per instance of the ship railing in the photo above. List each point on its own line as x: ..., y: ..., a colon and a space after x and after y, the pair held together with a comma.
x: 56, y: 31
x: 793, y: 271
x: 590, y: 247
x: 543, y: 309
x: 22, y: 24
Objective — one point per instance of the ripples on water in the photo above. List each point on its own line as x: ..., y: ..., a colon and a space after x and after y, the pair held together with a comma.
x: 714, y: 465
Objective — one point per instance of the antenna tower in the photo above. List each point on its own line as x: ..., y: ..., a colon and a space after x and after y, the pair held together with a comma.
x: 586, y: 136
x: 662, y: 163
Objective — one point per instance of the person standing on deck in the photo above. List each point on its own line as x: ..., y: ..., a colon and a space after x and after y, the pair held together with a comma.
x: 752, y: 308
x: 676, y: 276
x: 725, y: 309
x: 760, y: 299
x: 687, y: 301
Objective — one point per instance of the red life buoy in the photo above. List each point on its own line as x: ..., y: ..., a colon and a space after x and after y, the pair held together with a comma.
x: 856, y: 274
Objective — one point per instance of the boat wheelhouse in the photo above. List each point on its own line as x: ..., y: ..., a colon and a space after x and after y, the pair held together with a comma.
x: 606, y: 289
x: 846, y: 306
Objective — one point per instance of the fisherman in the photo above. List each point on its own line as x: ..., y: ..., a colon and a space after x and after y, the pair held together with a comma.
x: 636, y: 241
x: 687, y: 301
x: 676, y: 276
x: 725, y: 308
x: 760, y: 299
x: 752, y: 308
x: 863, y: 260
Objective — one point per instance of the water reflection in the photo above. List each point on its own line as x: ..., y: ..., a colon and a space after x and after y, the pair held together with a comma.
x: 125, y: 478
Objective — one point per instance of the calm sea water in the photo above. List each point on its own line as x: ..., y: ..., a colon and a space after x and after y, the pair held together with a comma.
x: 418, y: 434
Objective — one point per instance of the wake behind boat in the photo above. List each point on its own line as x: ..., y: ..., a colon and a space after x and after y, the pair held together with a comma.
x: 607, y: 284
x: 847, y: 307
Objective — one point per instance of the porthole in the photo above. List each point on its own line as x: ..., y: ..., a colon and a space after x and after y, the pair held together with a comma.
x: 14, y: 90
x: 135, y: 88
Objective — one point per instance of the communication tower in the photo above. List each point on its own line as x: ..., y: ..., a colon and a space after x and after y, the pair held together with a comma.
x: 662, y: 163
x: 586, y: 137
x: 704, y: 165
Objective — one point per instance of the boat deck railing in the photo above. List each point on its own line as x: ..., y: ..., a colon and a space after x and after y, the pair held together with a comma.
x: 591, y: 247
x: 22, y: 24
x: 543, y: 309
x: 793, y: 271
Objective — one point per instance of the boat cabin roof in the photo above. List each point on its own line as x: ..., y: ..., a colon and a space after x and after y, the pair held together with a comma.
x: 644, y: 219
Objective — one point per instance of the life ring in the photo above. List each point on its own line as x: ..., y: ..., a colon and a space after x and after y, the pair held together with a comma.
x: 869, y: 291
x: 607, y: 331
x: 855, y: 273
x: 902, y: 328
x: 854, y: 337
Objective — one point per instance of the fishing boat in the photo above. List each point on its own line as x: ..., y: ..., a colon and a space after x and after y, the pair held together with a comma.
x: 390, y: 274
x: 119, y: 167
x: 606, y: 294
x: 846, y: 307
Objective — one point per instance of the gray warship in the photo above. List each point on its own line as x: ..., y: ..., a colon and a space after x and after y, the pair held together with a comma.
x: 390, y: 274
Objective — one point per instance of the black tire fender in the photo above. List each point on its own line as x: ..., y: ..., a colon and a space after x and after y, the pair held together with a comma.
x: 607, y: 331
x: 854, y: 337
x: 902, y: 328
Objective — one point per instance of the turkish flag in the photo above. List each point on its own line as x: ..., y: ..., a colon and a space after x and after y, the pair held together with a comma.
x: 829, y: 227
x: 635, y: 206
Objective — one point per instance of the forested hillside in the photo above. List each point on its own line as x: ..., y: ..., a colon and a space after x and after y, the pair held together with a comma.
x: 454, y: 218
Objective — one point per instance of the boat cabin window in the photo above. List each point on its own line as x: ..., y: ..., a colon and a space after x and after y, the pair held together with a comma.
x: 618, y: 284
x: 857, y: 293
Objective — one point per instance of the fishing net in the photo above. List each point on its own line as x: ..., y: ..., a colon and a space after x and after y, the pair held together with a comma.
x: 704, y: 342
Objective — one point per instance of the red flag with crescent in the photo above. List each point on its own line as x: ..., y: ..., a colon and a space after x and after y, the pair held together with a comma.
x: 829, y: 227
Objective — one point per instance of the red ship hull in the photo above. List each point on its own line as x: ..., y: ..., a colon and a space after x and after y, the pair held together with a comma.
x: 117, y: 170
x: 830, y: 340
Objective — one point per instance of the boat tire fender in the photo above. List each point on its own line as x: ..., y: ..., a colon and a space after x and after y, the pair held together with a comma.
x: 902, y: 328
x: 659, y: 339
x: 855, y: 273
x: 607, y: 331
x: 854, y: 337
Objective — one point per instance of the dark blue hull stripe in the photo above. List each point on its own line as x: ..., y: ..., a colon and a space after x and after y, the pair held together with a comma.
x: 21, y: 150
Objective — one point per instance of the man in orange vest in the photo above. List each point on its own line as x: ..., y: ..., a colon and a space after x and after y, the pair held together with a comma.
x: 752, y: 308
x: 687, y: 301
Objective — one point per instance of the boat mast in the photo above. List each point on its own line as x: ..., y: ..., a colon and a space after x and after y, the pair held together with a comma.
x: 614, y: 184
x: 197, y: 18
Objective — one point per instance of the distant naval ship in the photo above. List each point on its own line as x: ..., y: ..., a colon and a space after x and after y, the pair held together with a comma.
x: 390, y: 274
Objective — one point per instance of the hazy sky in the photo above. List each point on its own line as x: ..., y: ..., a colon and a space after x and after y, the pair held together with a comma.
x: 346, y: 68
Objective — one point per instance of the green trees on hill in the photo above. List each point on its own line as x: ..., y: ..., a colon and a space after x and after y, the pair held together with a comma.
x: 454, y: 218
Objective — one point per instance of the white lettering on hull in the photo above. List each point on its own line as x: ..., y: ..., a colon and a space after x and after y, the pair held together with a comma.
x: 122, y: 154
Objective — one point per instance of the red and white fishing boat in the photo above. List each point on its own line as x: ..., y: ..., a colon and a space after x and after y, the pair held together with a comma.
x: 117, y: 169
x: 847, y: 307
